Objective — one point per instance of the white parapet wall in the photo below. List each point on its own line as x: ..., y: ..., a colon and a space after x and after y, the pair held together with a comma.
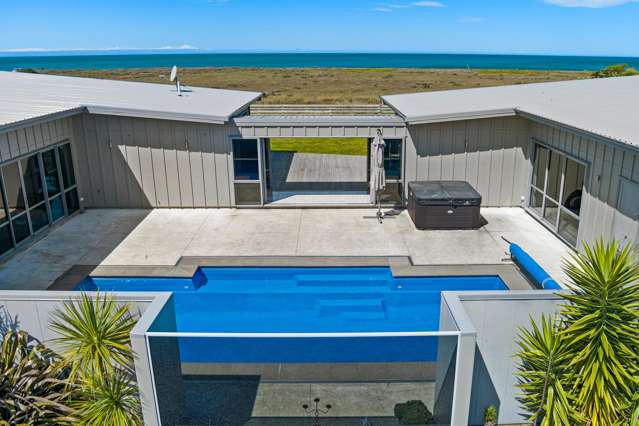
x: 493, y: 320
x: 31, y: 312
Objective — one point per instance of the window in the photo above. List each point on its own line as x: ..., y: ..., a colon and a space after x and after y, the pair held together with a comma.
x: 32, y: 180
x: 13, y: 188
x: 4, y: 214
x: 34, y: 192
x: 248, y: 194
x: 66, y: 163
x: 6, y: 242
x: 51, y: 176
x: 556, y: 190
x: 246, y: 160
x: 393, y: 158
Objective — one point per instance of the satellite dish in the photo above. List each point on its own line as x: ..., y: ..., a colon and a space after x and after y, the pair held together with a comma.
x: 178, y: 85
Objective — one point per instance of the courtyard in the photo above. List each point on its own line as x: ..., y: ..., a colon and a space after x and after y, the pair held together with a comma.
x: 161, y: 237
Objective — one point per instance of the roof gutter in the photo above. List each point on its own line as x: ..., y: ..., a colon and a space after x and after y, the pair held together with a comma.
x: 469, y: 115
x: 160, y: 115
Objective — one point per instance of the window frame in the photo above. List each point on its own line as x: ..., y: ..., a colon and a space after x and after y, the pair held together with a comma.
x: 4, y: 202
x: 398, y: 157
x: 260, y: 172
x: 564, y: 157
x: 235, y: 158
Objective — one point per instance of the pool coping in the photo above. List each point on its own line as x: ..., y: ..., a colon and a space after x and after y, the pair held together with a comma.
x: 401, y: 266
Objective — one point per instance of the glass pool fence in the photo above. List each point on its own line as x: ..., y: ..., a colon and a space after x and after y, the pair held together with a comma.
x: 302, y: 379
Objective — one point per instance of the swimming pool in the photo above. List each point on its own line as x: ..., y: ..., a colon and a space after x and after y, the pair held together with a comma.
x: 301, y: 300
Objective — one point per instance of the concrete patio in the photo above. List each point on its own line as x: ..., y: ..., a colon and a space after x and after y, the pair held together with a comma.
x: 162, y: 237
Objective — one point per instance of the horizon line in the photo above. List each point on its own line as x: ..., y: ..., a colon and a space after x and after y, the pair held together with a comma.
x: 184, y: 50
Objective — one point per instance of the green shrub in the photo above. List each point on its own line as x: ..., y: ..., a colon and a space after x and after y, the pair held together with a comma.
x: 618, y: 70
x: 413, y: 413
x: 490, y: 416
x: 33, y: 386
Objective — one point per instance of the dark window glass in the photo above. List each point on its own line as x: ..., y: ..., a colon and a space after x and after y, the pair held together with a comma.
x: 51, y: 177
x: 568, y: 227
x: 73, y: 204
x: 32, y: 180
x: 246, y: 170
x: 245, y: 160
x: 539, y: 170
x: 573, y: 186
x: 13, y: 188
x: 247, y: 194
x: 57, y: 208
x: 245, y: 148
x: 21, y: 228
x: 39, y: 217
x: 4, y: 214
x: 66, y: 164
x: 5, y: 239
x: 554, y: 176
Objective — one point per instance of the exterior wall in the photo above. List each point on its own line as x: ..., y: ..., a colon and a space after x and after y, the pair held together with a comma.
x: 22, y: 141
x: 491, y: 154
x: 146, y: 163
x: 607, y: 163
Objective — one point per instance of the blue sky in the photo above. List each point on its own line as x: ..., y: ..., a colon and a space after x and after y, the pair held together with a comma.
x: 597, y: 27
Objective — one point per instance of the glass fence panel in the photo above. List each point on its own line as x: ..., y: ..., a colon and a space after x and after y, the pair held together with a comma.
x: 363, y: 380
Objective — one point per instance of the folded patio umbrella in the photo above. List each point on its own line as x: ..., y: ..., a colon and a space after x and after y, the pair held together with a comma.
x: 378, y: 174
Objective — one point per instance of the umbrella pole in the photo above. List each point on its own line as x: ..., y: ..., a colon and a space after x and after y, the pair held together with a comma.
x: 380, y: 216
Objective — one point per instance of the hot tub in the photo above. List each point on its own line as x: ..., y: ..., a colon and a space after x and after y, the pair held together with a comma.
x: 444, y: 205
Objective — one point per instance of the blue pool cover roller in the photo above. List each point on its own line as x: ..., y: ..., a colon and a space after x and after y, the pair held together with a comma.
x: 532, y: 269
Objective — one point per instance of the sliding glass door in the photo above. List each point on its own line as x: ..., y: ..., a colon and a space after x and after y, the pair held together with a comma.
x: 556, y: 191
x: 36, y: 191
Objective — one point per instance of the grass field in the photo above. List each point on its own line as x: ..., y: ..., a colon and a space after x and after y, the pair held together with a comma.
x: 341, y: 146
x: 332, y: 85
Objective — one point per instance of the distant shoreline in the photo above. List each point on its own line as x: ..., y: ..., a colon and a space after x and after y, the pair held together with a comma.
x: 123, y: 61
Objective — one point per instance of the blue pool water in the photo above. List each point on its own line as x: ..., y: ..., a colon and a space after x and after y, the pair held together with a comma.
x: 302, y: 300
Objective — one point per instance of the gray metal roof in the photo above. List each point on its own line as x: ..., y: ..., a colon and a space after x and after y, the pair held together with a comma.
x: 603, y: 107
x: 318, y: 120
x: 25, y: 97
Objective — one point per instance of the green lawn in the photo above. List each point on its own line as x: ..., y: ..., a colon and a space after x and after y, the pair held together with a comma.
x: 338, y: 146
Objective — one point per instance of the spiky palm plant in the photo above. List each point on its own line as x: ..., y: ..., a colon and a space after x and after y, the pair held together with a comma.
x: 602, y: 330
x: 109, y: 401
x: 33, y: 387
x: 94, y: 335
x: 543, y: 377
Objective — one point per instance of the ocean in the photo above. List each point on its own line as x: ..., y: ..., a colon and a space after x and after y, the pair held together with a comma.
x: 11, y: 61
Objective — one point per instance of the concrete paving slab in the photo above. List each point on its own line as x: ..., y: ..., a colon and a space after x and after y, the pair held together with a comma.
x: 346, y: 399
x: 163, y: 237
